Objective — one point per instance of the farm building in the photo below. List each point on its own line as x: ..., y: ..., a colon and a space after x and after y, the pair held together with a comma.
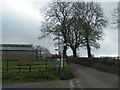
x: 20, y: 52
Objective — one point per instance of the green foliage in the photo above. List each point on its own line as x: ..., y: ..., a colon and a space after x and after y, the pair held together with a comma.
x: 47, y: 75
x: 109, y: 69
x: 109, y: 65
x: 43, y: 65
x: 66, y: 73
x: 23, y: 77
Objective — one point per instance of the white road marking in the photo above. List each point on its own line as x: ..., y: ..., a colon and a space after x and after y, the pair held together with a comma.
x: 78, y: 82
x: 71, y: 85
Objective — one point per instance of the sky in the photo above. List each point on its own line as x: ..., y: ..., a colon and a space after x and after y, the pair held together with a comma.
x: 21, y: 22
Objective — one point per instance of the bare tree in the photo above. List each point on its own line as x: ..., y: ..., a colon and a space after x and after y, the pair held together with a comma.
x: 75, y: 38
x: 116, y: 16
x: 42, y: 51
x: 78, y: 23
x: 57, y: 16
x: 119, y: 15
x: 93, y: 19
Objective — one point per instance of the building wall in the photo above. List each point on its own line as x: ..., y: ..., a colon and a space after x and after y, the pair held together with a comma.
x: 18, y: 55
x: 20, y: 52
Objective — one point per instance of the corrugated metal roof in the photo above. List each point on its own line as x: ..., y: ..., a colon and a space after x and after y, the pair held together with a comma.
x: 16, y: 47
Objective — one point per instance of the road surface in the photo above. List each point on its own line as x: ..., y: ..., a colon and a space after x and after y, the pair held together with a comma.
x: 92, y: 78
x: 85, y: 78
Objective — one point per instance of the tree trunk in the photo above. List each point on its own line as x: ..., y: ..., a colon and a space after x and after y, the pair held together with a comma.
x: 74, y: 52
x: 64, y: 52
x: 88, y: 48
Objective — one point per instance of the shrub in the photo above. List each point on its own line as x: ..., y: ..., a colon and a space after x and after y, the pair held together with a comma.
x: 105, y: 64
x: 63, y: 74
x: 66, y: 73
x: 28, y: 77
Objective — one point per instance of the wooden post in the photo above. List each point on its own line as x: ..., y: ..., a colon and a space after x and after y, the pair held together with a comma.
x: 29, y: 68
x: 46, y: 64
x: 39, y: 65
x: 20, y: 69
x: 7, y: 65
x: 19, y: 66
x: 49, y: 65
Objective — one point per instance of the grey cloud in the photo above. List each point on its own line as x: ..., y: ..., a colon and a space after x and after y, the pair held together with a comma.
x: 19, y: 28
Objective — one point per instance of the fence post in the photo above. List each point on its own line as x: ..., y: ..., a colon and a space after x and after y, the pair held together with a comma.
x: 7, y: 65
x: 46, y: 64
x: 39, y: 67
x: 29, y: 68
x: 19, y: 66
x: 49, y: 65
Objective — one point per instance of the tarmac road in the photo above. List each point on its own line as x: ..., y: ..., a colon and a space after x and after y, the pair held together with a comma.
x: 92, y: 78
x: 85, y: 78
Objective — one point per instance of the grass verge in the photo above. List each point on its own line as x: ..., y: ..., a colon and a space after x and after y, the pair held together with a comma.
x: 48, y: 75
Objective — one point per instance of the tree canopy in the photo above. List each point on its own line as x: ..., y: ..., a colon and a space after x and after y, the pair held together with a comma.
x: 75, y: 23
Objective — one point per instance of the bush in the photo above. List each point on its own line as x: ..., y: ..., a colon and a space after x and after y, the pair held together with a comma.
x: 66, y: 73
x: 28, y: 77
x: 63, y: 74
x: 109, y: 65
x: 109, y: 69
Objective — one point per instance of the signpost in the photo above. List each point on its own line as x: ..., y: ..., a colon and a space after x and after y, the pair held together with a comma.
x: 57, y: 64
x: 60, y: 50
x: 61, y: 53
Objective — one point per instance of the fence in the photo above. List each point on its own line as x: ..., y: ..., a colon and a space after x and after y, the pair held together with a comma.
x: 27, y: 66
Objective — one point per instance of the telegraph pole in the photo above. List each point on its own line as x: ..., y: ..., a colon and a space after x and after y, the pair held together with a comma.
x: 59, y: 46
x: 60, y: 51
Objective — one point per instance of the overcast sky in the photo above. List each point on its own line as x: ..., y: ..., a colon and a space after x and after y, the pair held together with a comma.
x: 21, y: 22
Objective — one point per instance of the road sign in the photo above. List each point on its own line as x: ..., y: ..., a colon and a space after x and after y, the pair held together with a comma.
x: 56, y: 49
x: 57, y: 63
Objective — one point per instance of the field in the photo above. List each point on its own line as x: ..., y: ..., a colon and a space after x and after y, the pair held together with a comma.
x: 31, y: 66
x: 36, y: 71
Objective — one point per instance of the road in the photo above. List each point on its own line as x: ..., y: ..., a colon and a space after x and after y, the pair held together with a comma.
x: 85, y: 78
x: 92, y: 78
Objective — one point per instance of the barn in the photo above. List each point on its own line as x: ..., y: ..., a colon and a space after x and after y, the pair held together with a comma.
x: 24, y: 53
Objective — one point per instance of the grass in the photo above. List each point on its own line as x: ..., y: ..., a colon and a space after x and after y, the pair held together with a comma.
x: 66, y: 73
x: 46, y: 64
x: 38, y: 76
x: 28, y: 77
